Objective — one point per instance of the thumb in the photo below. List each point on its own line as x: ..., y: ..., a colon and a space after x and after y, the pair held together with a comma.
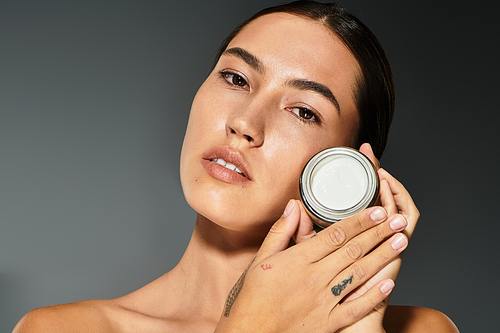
x: 305, y: 228
x: 281, y: 232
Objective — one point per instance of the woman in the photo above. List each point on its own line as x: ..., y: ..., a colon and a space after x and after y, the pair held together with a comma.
x: 289, y: 82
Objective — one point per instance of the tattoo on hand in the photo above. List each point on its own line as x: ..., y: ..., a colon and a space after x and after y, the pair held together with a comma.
x: 266, y: 266
x: 235, y: 291
x: 336, y: 290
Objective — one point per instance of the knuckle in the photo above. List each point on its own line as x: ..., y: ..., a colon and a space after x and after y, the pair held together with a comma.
x: 277, y: 228
x: 310, y: 283
x: 336, y: 236
x: 359, y: 222
x: 353, y: 250
x: 358, y: 272
x: 353, y: 313
x: 385, y: 255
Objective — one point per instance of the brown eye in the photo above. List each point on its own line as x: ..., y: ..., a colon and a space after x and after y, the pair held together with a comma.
x: 238, y: 80
x: 234, y: 79
x: 305, y: 113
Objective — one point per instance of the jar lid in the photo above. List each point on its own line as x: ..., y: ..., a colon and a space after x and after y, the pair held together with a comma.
x: 337, y: 183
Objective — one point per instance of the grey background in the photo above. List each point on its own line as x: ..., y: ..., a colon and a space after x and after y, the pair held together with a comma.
x: 94, y: 98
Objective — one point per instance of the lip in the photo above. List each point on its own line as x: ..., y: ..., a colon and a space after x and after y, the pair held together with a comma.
x: 222, y: 173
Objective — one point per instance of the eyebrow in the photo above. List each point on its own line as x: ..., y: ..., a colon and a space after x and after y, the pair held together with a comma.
x: 247, y: 57
x: 316, y: 87
x: 255, y: 63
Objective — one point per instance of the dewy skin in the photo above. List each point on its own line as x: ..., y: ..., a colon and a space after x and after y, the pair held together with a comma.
x: 337, y: 183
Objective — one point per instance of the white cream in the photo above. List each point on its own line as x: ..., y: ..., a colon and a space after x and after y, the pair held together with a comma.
x: 339, y: 182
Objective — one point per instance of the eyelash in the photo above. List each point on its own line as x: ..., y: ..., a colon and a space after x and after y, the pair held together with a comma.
x: 228, y: 77
x: 313, y: 120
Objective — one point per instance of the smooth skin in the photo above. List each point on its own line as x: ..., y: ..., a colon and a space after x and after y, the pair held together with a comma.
x: 254, y: 112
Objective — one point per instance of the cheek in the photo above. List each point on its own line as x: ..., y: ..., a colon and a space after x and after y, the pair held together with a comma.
x: 195, y: 131
x: 287, y: 153
x: 205, y: 118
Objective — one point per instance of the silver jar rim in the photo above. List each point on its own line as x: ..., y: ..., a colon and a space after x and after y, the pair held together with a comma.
x: 328, y: 215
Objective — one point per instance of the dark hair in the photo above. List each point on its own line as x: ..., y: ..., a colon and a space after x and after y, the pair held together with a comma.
x: 374, y: 94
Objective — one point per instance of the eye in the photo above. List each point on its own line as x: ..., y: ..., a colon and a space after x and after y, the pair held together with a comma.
x: 234, y: 79
x: 304, y: 114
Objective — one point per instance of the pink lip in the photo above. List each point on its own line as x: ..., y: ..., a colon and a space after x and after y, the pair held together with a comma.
x: 222, y: 173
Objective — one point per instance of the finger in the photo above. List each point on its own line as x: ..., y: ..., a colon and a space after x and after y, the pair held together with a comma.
x: 338, y: 234
x: 350, y: 312
x: 403, y: 201
x: 365, y: 268
x: 391, y: 271
x: 367, y: 150
x: 386, y: 198
x: 281, y: 232
x: 359, y: 246
x: 305, y: 229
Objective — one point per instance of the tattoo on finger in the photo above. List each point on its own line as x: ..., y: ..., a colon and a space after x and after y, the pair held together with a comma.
x: 337, y: 290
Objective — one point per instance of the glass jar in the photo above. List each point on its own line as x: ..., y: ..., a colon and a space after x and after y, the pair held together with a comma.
x: 337, y: 183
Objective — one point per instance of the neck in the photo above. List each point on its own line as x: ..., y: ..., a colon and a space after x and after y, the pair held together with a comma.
x: 213, y: 262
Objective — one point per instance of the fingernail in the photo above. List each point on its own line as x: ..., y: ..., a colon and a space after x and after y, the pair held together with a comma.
x: 378, y: 215
x: 289, y: 208
x: 387, y: 287
x: 398, y: 223
x: 398, y: 242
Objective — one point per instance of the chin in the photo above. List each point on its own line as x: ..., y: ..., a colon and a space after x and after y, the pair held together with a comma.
x: 232, y: 208
x: 230, y: 215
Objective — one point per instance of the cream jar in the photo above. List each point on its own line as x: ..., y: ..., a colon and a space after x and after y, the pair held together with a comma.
x: 337, y: 183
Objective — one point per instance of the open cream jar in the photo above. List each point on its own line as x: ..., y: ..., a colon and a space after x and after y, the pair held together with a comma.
x: 337, y: 183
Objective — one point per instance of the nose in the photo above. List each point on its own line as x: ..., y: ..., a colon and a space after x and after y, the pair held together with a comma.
x: 247, y: 125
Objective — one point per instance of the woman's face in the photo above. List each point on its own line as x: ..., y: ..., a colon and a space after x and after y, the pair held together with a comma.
x: 282, y: 91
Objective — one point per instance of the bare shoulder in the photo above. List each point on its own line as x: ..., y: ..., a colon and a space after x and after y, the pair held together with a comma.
x: 149, y: 309
x: 86, y: 316
x: 121, y: 315
x: 413, y: 319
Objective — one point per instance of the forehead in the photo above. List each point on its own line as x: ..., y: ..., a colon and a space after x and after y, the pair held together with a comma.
x: 291, y: 46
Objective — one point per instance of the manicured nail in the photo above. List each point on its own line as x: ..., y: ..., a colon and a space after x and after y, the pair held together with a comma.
x: 398, y: 223
x: 289, y: 208
x: 378, y: 215
x: 398, y: 242
x: 387, y: 287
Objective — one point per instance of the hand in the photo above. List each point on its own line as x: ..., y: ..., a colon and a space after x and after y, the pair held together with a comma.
x: 303, y: 287
x: 396, y: 200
